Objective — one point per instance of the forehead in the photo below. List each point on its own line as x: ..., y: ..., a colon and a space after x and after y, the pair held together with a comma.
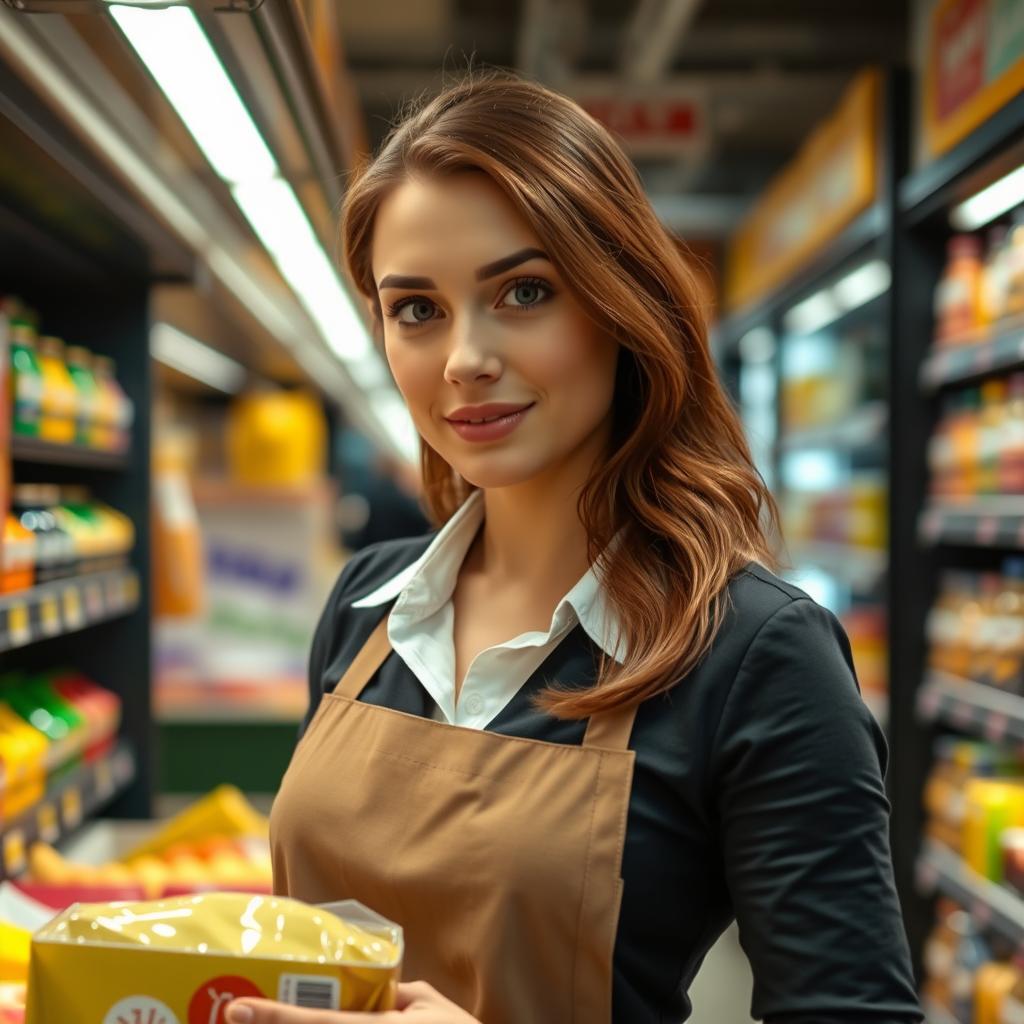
x: 457, y: 222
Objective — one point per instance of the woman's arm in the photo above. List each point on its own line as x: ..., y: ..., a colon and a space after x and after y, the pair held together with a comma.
x: 798, y: 762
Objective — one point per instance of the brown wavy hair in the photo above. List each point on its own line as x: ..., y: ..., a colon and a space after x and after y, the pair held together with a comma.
x: 678, y: 481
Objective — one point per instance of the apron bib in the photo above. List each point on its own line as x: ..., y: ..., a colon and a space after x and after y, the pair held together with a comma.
x: 500, y: 857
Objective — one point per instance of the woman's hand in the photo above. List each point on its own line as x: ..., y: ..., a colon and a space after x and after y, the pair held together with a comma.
x: 418, y: 1003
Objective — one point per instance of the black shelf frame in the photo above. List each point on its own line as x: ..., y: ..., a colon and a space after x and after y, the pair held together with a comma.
x: 78, y: 247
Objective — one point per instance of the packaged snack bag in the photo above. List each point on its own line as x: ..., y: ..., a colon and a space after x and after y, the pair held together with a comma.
x: 182, y: 961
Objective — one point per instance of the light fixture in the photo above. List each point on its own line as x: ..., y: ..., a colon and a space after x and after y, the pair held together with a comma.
x: 185, y: 354
x: 850, y: 292
x: 274, y: 211
x: 990, y: 202
x: 390, y: 409
x: 178, y: 54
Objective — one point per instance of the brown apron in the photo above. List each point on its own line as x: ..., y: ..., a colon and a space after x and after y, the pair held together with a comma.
x: 500, y: 857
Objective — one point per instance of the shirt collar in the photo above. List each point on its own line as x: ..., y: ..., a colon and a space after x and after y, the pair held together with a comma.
x: 426, y: 585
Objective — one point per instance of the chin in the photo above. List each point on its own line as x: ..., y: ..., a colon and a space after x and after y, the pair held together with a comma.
x: 490, y: 470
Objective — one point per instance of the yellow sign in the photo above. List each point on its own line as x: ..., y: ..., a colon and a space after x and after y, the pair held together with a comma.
x: 975, y: 65
x: 833, y: 178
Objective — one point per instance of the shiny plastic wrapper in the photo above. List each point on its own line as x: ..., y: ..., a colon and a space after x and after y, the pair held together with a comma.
x: 181, y: 961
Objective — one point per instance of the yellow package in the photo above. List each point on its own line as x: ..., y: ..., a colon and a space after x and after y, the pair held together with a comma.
x: 181, y: 961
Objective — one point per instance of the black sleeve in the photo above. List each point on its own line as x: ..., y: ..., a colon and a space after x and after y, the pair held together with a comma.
x: 798, y: 762
x: 324, y: 641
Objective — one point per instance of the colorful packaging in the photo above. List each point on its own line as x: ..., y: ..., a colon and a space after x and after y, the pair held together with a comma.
x: 60, y: 398
x: 183, y: 961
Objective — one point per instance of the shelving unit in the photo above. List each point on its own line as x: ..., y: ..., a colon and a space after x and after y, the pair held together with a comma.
x: 970, y: 707
x: 32, y: 451
x: 962, y: 364
x: 987, y: 522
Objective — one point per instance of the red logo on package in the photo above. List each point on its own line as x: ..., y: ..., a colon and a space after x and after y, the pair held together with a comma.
x: 212, y: 998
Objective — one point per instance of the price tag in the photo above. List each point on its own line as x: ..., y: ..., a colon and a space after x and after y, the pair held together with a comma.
x: 961, y: 715
x: 94, y: 600
x: 49, y: 615
x: 18, y: 628
x: 73, y: 608
x: 48, y: 824
x: 996, y: 724
x: 14, y: 852
x: 988, y: 530
x: 104, y: 780
x: 71, y: 807
x: 928, y: 702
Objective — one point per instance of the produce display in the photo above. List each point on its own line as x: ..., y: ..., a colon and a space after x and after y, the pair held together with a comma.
x: 64, y: 395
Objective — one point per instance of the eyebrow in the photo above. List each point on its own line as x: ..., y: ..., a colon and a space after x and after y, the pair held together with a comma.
x: 482, y: 273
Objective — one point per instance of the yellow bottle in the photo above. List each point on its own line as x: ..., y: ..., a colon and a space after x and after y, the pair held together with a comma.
x: 60, y: 397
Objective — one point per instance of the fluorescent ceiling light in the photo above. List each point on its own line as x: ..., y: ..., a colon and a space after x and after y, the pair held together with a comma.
x: 183, y: 353
x: 855, y: 289
x: 277, y: 217
x: 174, y: 47
x: 862, y: 285
x: 813, y: 313
x: 390, y: 409
x: 989, y: 203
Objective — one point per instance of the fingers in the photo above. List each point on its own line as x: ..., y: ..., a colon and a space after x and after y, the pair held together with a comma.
x: 263, y: 1011
x: 411, y: 991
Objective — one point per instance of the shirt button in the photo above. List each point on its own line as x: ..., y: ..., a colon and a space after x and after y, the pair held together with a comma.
x: 474, y: 704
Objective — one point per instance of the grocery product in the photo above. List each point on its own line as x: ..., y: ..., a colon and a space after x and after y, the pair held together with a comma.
x: 26, y: 381
x: 23, y: 751
x: 18, y: 569
x: 958, y: 296
x: 1014, y: 267
x: 970, y: 952
x: 54, y: 548
x: 993, y: 984
x: 994, y: 275
x: 80, y: 367
x: 186, y: 958
x: 991, y: 806
x: 114, y: 409
x: 34, y: 698
x: 59, y: 403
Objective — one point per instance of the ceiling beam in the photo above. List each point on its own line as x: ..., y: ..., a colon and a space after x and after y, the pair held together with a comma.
x: 653, y: 35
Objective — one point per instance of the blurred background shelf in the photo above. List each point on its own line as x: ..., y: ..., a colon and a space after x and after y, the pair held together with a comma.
x: 38, y: 452
x: 960, y: 364
x: 66, y: 606
x: 77, y: 794
x: 863, y: 428
x: 975, y: 708
x: 987, y: 522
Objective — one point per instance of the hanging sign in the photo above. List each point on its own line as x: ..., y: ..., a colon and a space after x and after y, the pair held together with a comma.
x: 974, y: 65
x: 833, y: 178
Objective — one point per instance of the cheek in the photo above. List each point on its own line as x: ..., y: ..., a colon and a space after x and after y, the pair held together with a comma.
x: 579, y: 361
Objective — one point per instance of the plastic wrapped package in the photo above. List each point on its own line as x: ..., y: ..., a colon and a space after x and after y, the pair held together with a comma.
x: 185, y: 959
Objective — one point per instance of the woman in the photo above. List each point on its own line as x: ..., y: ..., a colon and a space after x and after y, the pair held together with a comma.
x: 581, y: 727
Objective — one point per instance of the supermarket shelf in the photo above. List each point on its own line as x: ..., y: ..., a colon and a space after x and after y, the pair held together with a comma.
x: 935, y: 1014
x: 960, y: 363
x: 861, y: 567
x: 31, y: 449
x: 66, y: 606
x: 994, y: 522
x: 992, y: 906
x: 971, y: 707
x: 68, y: 802
x: 861, y: 429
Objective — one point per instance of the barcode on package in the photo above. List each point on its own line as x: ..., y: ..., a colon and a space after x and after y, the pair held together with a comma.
x: 310, y: 991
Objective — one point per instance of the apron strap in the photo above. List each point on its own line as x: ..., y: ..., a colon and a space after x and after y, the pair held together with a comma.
x: 370, y: 658
x: 611, y: 729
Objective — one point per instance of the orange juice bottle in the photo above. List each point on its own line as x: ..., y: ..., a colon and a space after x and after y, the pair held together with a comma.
x: 991, y: 433
x: 60, y: 398
x: 115, y: 411
x: 958, y: 296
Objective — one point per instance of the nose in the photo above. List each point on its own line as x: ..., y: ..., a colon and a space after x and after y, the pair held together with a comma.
x: 472, y: 354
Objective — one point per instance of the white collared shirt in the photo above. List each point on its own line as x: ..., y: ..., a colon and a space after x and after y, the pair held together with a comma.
x: 421, y: 633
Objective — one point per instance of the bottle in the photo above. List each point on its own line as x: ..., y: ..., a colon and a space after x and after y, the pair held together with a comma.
x: 116, y: 410
x: 80, y: 367
x: 54, y: 549
x: 59, y: 399
x: 1013, y: 256
x: 993, y: 984
x: 19, y: 565
x: 1011, y: 447
x: 991, y: 434
x: 958, y: 296
x: 1012, y: 1011
x: 26, y: 383
x: 993, y: 277
x: 1007, y: 666
x: 970, y: 952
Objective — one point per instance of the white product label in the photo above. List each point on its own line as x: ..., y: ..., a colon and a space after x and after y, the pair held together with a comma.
x: 961, y: 984
x: 310, y: 991
x: 175, y: 500
x: 140, y: 1008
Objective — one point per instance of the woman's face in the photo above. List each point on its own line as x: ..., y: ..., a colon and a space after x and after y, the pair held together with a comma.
x: 474, y: 313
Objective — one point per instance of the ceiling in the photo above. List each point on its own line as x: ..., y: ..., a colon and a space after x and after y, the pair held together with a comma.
x: 760, y: 75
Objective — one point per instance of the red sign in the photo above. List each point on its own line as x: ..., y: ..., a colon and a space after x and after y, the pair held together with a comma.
x: 643, y: 120
x: 961, y: 36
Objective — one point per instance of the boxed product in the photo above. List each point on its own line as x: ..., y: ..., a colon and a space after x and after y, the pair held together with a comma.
x: 184, y: 960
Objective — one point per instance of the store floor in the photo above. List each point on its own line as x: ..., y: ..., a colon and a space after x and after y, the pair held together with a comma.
x: 721, y: 991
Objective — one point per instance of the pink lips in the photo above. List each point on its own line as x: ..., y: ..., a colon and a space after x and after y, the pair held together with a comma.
x: 493, y: 430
